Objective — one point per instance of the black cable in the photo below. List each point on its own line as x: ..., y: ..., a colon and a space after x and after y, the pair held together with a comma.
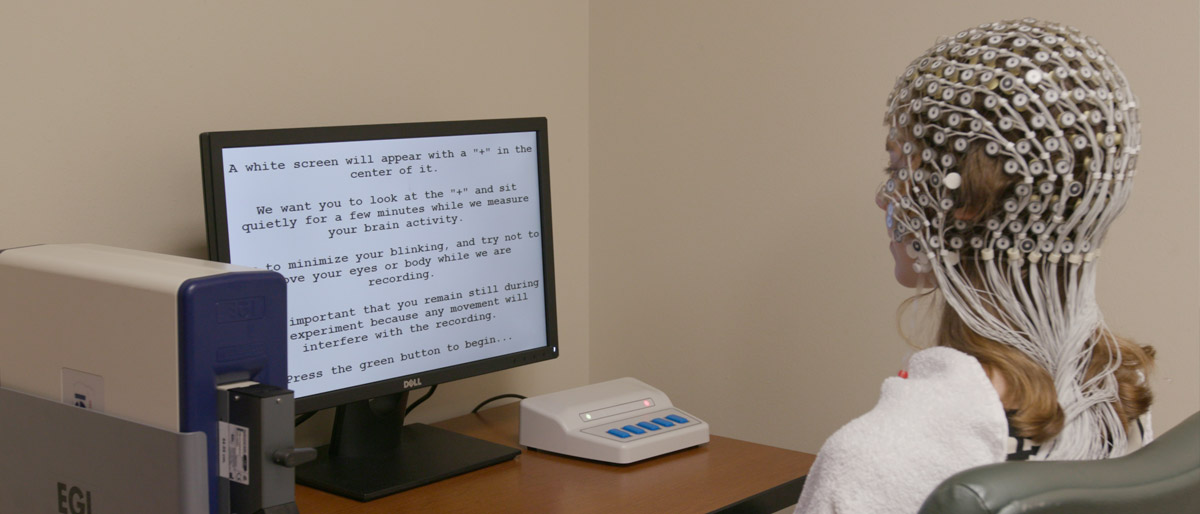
x: 421, y: 399
x: 304, y: 417
x: 494, y: 398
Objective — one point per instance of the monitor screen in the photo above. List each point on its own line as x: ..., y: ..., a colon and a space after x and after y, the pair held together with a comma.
x: 414, y: 253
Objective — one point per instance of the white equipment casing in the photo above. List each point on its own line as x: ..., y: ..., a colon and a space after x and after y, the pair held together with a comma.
x: 108, y: 312
x: 580, y: 422
x: 142, y: 338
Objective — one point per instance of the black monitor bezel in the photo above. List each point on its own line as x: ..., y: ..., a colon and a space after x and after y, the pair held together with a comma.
x: 212, y: 144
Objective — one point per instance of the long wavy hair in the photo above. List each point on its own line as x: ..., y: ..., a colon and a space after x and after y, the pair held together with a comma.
x: 1030, y: 395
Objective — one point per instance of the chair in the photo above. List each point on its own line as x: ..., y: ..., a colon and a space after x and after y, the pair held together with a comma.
x: 1161, y: 477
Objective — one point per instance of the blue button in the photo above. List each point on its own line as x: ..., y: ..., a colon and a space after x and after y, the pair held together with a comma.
x: 619, y: 433
x: 663, y: 422
x: 648, y: 425
x: 677, y: 418
x: 633, y: 430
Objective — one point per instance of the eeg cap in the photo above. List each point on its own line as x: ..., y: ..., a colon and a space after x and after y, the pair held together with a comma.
x: 1047, y: 105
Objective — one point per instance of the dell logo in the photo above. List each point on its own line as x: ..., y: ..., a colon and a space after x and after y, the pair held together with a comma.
x: 409, y: 384
x: 74, y: 500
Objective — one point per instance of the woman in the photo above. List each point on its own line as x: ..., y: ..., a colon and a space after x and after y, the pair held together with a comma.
x: 1012, y: 148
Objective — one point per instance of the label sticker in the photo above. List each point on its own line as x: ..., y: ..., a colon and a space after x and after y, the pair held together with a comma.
x: 83, y: 389
x: 234, y: 452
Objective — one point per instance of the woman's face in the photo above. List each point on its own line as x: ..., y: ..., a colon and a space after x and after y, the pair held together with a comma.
x: 905, y: 270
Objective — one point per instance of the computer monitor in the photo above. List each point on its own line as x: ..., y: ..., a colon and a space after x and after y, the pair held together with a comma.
x: 415, y: 254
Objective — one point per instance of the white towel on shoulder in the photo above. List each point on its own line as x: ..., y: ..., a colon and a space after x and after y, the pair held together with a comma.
x: 944, y: 418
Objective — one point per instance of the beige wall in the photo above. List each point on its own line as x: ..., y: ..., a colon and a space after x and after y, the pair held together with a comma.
x: 713, y: 166
x: 104, y: 103
x: 738, y: 260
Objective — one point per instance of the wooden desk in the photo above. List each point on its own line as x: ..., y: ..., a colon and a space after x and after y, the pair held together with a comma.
x: 728, y: 474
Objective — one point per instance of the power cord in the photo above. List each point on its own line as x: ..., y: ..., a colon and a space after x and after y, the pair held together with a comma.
x: 494, y: 398
x: 421, y: 399
x: 306, y: 416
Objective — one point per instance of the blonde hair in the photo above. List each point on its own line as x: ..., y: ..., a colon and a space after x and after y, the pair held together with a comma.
x: 1030, y: 395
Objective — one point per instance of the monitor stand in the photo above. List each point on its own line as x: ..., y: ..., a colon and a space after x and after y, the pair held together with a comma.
x: 373, y: 454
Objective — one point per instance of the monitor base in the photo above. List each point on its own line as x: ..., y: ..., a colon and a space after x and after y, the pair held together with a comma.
x: 425, y: 455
